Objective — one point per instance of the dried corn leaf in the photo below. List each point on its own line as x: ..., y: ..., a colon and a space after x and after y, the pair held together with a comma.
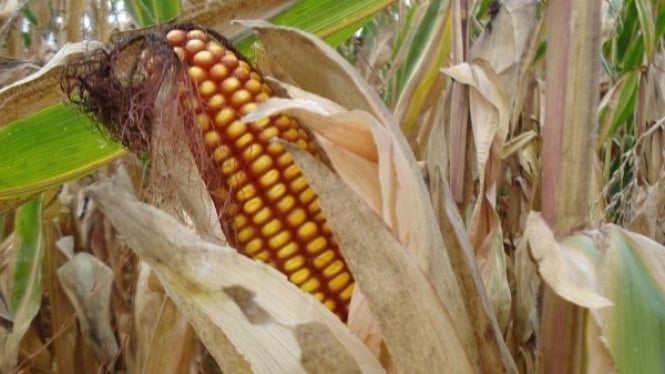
x: 245, y: 312
x: 419, y: 332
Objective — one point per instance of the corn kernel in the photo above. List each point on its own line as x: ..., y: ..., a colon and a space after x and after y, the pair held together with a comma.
x: 204, y: 59
x: 291, y: 172
x: 262, y: 216
x: 194, y: 45
x: 230, y: 85
x: 229, y: 166
x: 246, y: 234
x: 253, y: 86
x: 212, y: 139
x: 298, y: 184
x: 294, y: 263
x: 296, y: 217
x: 203, y: 121
x: 333, y: 269
x: 307, y: 196
x: 276, y: 191
x: 176, y: 37
x: 240, y: 98
x: 346, y: 294
x: 239, y: 221
x: 230, y: 60
x: 339, y: 281
x: 224, y: 117
x: 269, y: 133
x: 319, y: 296
x: 269, y: 178
x: 253, y: 205
x: 219, y: 72
x: 254, y: 246
x: 282, y: 122
x: 300, y: 276
x: 197, y: 34
x: 317, y: 245
x: 287, y: 251
x: 207, y: 88
x: 271, y: 228
x: 307, y: 230
x: 285, y: 160
x: 252, y: 152
x: 330, y: 304
x: 262, y: 256
x: 279, y: 240
x: 238, y: 179
x: 324, y: 259
x: 245, y: 193
x: 261, y: 165
x: 248, y: 108
x: 245, y: 140
x: 235, y: 129
x: 216, y: 102
x: 215, y: 49
x: 197, y: 74
x: 311, y: 285
x: 286, y: 203
x: 290, y: 135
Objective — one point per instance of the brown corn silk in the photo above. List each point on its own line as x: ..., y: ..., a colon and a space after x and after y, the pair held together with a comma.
x: 268, y: 210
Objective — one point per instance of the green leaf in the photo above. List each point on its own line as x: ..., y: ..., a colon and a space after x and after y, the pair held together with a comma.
x: 55, y: 145
x: 26, y: 290
x: 636, y: 324
x: 151, y: 12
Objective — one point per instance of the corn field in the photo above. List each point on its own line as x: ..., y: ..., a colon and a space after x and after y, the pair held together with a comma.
x: 332, y: 186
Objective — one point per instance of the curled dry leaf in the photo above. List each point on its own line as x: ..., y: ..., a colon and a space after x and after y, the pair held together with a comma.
x: 419, y: 332
x: 199, y: 276
x: 87, y: 282
x: 568, y: 273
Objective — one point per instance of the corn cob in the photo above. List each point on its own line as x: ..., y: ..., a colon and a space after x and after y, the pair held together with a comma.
x: 267, y: 208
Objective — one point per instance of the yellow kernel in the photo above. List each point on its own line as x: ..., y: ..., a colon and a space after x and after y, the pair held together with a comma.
x: 194, y: 45
x: 319, y: 295
x: 265, y: 88
x: 285, y: 160
x: 254, y: 246
x: 269, y: 133
x: 276, y: 191
x: 325, y: 228
x: 307, y: 196
x: 287, y: 251
x: 297, y: 217
x: 262, y: 216
x: 314, y: 207
x: 253, y: 205
x: 203, y: 121
x: 207, y: 88
x: 176, y: 37
x: 286, y: 203
x: 277, y: 241
x: 216, y: 102
x: 293, y: 264
x: 291, y: 172
x: 302, y: 134
x: 262, y: 123
x: 302, y: 144
x: 239, y: 221
x: 197, y: 74
x: 244, y: 140
x: 317, y: 245
x: 330, y: 304
x: 245, y: 193
x: 339, y: 281
x: 230, y: 166
x: 197, y: 34
x: 333, y: 268
x: 282, y: 122
x: 240, y: 98
x: 290, y: 135
x: 221, y: 153
x: 235, y: 129
x: 346, y: 294
x: 261, y: 97
x: 204, y: 59
x: 248, y: 108
x: 318, y: 215
x: 261, y: 165
x: 271, y: 228
x: 263, y: 256
x: 324, y: 259
x: 253, y: 86
x: 215, y: 48
x: 246, y: 234
x: 275, y: 149
x: 300, y: 276
x: 298, y: 184
x: 218, y: 72
x: 307, y: 231
x: 212, y: 139
x: 230, y: 85
x: 252, y: 152
x: 311, y: 285
x: 269, y: 178
x: 230, y: 60
x: 242, y: 73
x: 224, y: 117
x: 244, y: 65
